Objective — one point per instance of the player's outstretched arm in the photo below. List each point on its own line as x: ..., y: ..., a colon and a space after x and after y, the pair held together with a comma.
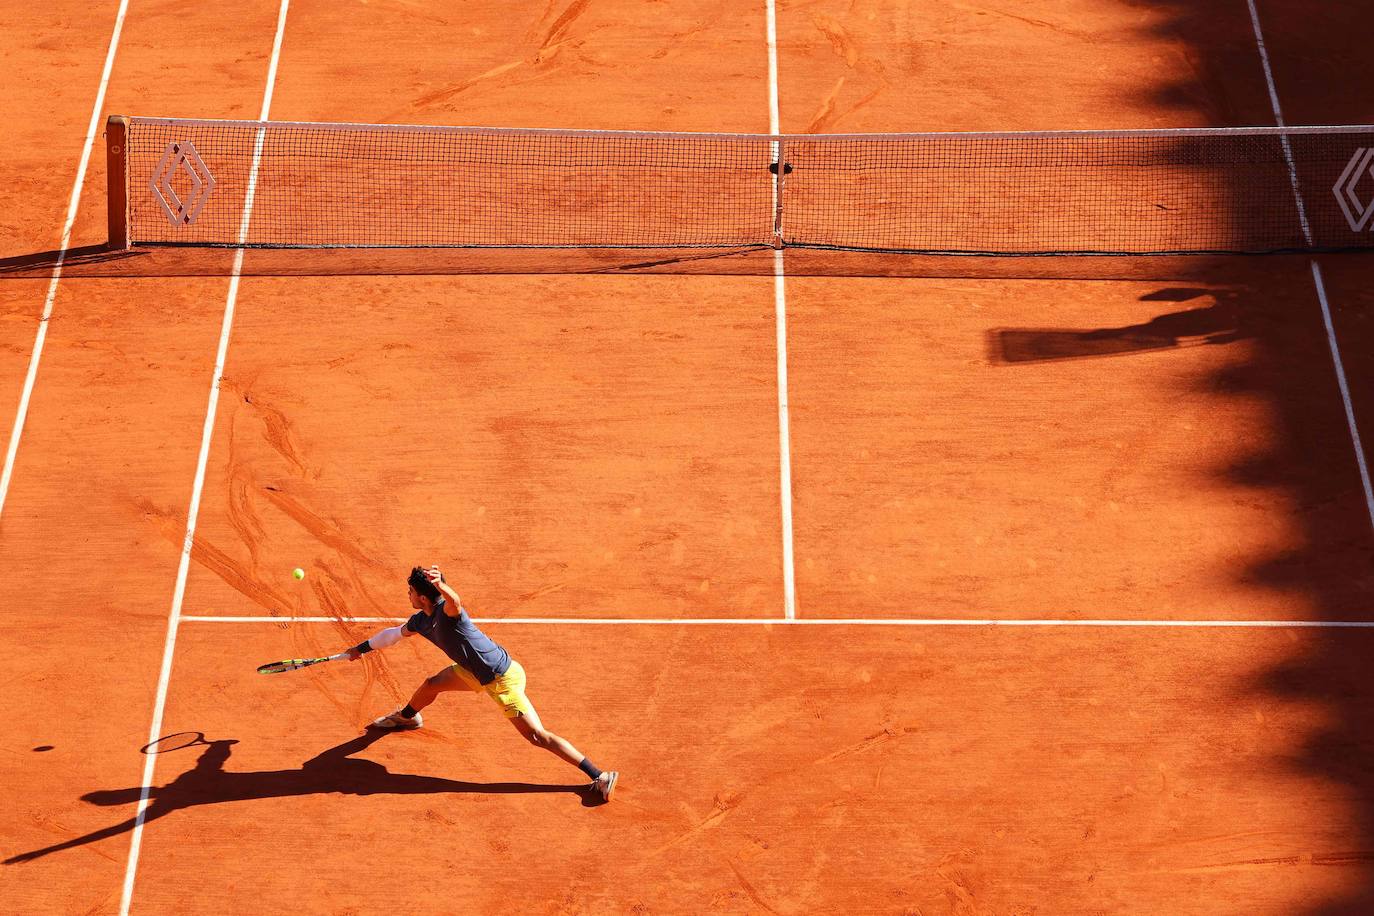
x: 388, y: 637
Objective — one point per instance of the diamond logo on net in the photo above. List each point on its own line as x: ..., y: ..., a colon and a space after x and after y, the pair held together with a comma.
x: 181, y: 159
x: 1358, y: 212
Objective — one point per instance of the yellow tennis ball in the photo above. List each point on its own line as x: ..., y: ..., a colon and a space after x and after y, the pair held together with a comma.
x: 298, y: 573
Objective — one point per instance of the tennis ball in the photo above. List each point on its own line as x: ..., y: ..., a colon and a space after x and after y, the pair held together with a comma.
x: 298, y: 573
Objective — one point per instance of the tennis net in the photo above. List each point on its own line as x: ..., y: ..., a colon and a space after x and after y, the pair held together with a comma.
x: 299, y: 185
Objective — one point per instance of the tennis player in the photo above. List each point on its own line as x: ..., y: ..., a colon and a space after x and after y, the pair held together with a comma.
x: 479, y: 665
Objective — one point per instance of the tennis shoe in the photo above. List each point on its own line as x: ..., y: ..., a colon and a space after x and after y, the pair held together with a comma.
x: 604, y: 784
x: 396, y: 720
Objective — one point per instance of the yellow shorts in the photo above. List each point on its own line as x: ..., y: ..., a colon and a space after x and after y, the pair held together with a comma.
x: 508, y: 690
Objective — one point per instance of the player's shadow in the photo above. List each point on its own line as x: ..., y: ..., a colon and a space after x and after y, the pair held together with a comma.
x: 332, y: 771
x: 1219, y: 323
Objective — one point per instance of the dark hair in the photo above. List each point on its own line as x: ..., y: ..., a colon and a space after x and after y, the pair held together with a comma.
x: 420, y: 582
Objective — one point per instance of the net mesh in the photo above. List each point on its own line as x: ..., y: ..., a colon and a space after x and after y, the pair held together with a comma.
x: 1127, y: 192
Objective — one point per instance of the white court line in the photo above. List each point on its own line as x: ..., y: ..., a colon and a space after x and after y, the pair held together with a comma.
x: 1279, y: 122
x: 178, y: 595
x: 774, y: 120
x: 1345, y: 390
x: 1336, y: 360
x: 789, y: 579
x: 72, y: 205
x: 831, y: 622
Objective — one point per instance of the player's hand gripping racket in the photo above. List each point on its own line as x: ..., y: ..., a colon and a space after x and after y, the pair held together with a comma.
x: 291, y: 664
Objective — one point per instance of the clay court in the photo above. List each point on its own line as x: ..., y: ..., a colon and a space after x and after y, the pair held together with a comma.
x: 889, y: 583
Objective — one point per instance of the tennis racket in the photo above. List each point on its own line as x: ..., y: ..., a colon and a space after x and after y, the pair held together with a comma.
x: 291, y: 664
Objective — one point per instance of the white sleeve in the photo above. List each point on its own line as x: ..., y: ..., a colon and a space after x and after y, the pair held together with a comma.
x: 388, y: 637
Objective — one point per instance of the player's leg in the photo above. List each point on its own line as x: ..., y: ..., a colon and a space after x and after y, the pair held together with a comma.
x: 429, y: 690
x: 509, y: 691
x: 409, y: 716
x: 528, y: 725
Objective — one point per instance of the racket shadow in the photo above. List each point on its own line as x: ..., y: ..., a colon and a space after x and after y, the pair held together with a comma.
x: 333, y: 771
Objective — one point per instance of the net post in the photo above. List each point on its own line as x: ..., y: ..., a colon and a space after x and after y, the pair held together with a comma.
x: 780, y: 168
x: 117, y: 180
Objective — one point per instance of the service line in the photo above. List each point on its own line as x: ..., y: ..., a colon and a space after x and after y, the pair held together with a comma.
x: 826, y: 622
x: 789, y: 581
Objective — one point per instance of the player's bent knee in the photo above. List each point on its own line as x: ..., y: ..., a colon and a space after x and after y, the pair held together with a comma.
x: 443, y: 681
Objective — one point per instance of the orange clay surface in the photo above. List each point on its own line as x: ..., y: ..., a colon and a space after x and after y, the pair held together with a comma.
x: 1014, y: 768
x: 608, y: 446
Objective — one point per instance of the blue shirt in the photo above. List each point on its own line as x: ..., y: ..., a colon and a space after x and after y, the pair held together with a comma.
x: 459, y: 639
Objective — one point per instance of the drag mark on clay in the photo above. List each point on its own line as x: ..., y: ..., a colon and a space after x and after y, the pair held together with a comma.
x: 243, y: 516
x: 418, y: 10
x: 170, y: 525
x: 437, y: 817
x: 103, y: 906
x: 1038, y: 23
x: 224, y: 566
x: 450, y: 91
x: 723, y: 807
x: 325, y: 531
x: 307, y: 642
x: 959, y: 892
x: 277, y: 432
x: 847, y: 49
x: 839, y: 39
x: 676, y: 40
x: 277, y: 427
x: 375, y: 668
x: 667, y: 664
x: 548, y: 47
x: 1357, y: 857
x: 891, y: 733
x: 606, y: 560
x: 46, y: 824
x: 549, y: 589
x: 749, y: 888
x: 826, y: 116
x: 560, y: 26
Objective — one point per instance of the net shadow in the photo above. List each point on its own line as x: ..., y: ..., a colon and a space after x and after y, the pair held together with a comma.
x: 99, y: 262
